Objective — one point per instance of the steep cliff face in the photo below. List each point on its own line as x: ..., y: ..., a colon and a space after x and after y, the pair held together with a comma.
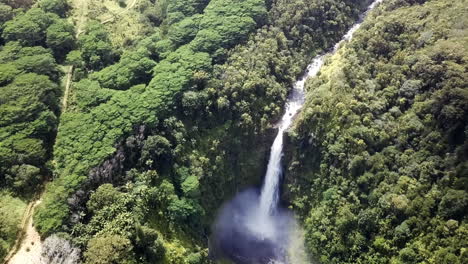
x: 377, y: 161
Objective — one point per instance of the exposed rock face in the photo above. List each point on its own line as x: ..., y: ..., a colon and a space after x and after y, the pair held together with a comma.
x: 56, y: 250
x: 110, y: 171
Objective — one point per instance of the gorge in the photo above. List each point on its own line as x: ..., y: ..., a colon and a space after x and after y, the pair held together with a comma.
x: 253, y: 227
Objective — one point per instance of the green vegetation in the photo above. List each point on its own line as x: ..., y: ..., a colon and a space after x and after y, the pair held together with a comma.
x: 28, y: 112
x: 124, y: 110
x: 378, y: 158
x: 11, y: 212
x: 28, y: 28
x: 201, y: 117
x: 59, y: 7
x: 109, y: 249
x: 171, y: 112
x: 31, y: 41
x: 61, y: 39
x: 96, y: 48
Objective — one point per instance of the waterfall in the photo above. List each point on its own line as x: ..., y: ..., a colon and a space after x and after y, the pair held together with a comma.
x: 270, y: 190
x: 252, y: 227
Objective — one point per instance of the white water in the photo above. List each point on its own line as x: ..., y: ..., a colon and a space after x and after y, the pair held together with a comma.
x: 270, y: 191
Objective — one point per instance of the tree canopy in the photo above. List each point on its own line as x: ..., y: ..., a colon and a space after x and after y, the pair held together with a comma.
x: 377, y: 159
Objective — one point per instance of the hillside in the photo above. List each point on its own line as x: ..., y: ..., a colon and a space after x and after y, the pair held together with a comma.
x: 129, y: 123
x: 378, y: 157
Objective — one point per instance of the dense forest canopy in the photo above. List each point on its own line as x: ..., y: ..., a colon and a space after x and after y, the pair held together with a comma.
x: 33, y: 40
x: 379, y: 156
x: 133, y: 121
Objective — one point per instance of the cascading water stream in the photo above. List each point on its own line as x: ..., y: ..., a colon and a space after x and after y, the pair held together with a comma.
x: 253, y: 228
x: 270, y: 190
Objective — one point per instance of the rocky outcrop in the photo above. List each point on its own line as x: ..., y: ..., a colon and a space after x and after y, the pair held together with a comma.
x: 110, y: 171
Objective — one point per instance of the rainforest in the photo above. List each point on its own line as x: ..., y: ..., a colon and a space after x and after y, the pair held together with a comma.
x: 234, y: 131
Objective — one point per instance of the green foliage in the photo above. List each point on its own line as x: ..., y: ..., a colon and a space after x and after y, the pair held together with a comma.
x: 95, y: 46
x: 109, y: 212
x: 28, y: 28
x: 105, y: 195
x: 184, y: 31
x: 226, y: 23
x: 183, y: 209
x: 28, y: 109
x: 176, y: 72
x: 89, y: 94
x: 24, y: 178
x: 374, y: 160
x: 50, y: 220
x: 74, y: 58
x: 37, y: 60
x: 11, y: 212
x: 312, y: 25
x: 59, y: 7
x: 156, y: 148
x: 8, y: 72
x: 133, y: 68
x: 60, y: 38
x: 155, y: 13
x: 18, y: 3
x: 26, y: 121
x: 176, y: 11
x: 253, y: 93
x: 191, y: 186
x: 109, y: 249
x: 6, y: 13
x: 164, y: 47
x: 148, y: 242
x: 454, y: 204
x: 376, y: 163
x: 193, y: 102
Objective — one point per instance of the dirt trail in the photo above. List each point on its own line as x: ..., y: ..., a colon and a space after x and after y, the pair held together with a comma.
x: 67, y: 88
x: 82, y: 7
x: 28, y: 245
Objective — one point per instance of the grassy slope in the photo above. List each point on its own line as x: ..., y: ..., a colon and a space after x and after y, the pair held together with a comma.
x: 11, y: 212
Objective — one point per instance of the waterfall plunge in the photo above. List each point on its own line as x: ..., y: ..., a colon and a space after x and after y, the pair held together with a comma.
x: 253, y: 228
x: 270, y: 191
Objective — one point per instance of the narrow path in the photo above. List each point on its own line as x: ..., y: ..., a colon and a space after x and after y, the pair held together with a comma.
x: 67, y: 88
x: 28, y: 244
x: 82, y: 6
